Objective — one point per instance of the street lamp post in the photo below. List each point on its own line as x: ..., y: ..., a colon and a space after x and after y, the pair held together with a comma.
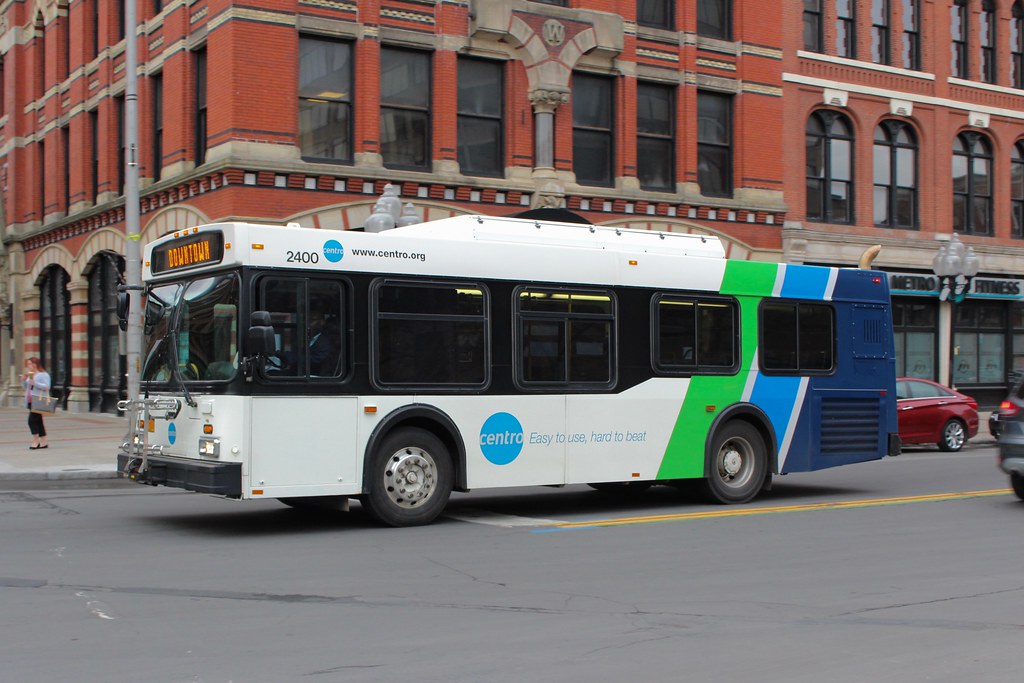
x: 955, y: 265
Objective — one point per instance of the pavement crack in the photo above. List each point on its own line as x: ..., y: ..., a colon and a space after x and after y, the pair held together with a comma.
x: 336, y: 669
x: 934, y: 601
x: 14, y: 501
x: 467, y: 574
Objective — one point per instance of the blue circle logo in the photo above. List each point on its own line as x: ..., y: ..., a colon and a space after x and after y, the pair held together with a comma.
x: 172, y: 433
x: 333, y: 251
x: 501, y: 438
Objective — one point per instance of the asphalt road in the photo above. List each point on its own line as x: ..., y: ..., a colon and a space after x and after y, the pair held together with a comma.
x: 908, y: 569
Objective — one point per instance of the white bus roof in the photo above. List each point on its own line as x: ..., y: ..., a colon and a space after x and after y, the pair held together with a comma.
x: 458, y: 247
x: 538, y: 232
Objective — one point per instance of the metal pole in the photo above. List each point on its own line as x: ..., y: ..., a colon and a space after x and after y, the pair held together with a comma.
x: 133, y: 248
x: 952, y: 343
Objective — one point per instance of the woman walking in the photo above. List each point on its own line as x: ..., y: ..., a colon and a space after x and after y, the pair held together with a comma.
x: 36, y: 379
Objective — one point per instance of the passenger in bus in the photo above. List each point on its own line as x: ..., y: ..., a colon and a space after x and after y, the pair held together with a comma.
x: 324, y: 346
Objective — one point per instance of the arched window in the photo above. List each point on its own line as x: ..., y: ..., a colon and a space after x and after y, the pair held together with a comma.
x: 1017, y: 46
x: 1017, y: 190
x: 972, y: 184
x: 895, y: 167
x: 829, y: 168
x: 106, y: 364
x: 55, y: 329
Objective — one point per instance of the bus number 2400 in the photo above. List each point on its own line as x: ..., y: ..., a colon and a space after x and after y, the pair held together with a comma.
x: 302, y: 257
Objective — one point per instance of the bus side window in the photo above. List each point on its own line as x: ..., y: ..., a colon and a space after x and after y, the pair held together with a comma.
x: 797, y: 338
x: 565, y: 337
x: 285, y: 300
x: 324, y: 338
x: 695, y: 334
x: 430, y: 333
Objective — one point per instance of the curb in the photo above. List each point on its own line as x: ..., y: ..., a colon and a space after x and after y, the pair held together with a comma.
x: 58, y: 475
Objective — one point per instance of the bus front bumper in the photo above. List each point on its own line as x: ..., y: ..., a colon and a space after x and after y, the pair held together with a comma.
x: 202, y: 476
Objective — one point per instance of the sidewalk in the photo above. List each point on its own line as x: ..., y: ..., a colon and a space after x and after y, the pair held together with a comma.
x: 81, y: 445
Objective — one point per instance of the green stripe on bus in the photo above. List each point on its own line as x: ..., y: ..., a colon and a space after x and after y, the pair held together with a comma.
x: 706, y: 396
x: 749, y: 278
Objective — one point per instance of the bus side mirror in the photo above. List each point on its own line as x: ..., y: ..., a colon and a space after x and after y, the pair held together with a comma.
x: 260, y: 338
x: 122, y: 310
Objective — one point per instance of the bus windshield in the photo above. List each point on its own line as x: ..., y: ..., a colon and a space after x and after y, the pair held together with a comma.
x: 192, y: 325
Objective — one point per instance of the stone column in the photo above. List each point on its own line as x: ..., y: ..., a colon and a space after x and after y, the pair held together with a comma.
x: 544, y: 104
x: 78, y: 389
x: 549, y: 191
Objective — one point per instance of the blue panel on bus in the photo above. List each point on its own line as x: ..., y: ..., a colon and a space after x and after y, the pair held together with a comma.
x: 805, y: 282
x: 861, y: 285
x: 776, y: 396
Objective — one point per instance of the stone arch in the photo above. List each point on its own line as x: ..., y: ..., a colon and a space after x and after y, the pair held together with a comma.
x: 170, y: 219
x: 549, y: 40
x: 50, y: 256
x: 105, y: 239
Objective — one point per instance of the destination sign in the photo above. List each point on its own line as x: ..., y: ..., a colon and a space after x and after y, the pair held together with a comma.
x: 200, y: 249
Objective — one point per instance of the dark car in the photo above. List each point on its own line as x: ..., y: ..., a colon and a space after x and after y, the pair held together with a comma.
x: 1011, y: 440
x: 995, y: 425
x: 995, y: 418
x: 931, y: 413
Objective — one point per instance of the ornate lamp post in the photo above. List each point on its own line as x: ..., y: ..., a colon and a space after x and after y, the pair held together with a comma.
x: 955, y: 265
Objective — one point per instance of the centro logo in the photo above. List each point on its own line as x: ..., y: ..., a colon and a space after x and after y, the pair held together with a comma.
x: 333, y: 251
x: 172, y: 433
x: 501, y: 438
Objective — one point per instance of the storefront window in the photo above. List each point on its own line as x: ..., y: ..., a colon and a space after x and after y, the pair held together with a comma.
x: 1017, y: 321
x: 914, y: 327
x: 979, y: 344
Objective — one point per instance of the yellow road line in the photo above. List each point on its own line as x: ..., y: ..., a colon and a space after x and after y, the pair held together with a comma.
x: 748, y: 511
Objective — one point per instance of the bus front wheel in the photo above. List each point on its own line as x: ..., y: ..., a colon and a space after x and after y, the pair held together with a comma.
x: 739, y: 461
x: 409, y: 478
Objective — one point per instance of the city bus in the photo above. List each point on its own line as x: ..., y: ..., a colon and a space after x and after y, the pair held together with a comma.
x: 315, y: 366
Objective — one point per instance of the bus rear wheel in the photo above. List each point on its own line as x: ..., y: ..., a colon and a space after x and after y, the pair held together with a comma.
x: 739, y: 462
x: 409, y: 478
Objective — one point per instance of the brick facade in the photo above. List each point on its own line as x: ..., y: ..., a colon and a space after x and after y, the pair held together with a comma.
x: 253, y: 167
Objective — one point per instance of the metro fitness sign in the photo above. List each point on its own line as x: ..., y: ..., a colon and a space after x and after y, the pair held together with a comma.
x: 918, y: 284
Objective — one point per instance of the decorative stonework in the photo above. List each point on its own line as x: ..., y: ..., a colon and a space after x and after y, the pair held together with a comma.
x: 550, y: 39
x: 547, y: 100
x: 553, y: 32
x: 173, y: 218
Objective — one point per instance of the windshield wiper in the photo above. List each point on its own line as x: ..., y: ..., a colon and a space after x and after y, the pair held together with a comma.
x: 176, y: 372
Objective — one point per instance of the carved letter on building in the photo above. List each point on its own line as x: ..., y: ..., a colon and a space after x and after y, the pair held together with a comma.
x: 553, y: 32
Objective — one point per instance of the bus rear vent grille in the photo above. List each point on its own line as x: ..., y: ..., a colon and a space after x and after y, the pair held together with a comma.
x: 849, y: 426
x: 872, y: 331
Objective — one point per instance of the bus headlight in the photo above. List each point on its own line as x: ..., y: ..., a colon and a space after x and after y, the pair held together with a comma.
x: 209, y: 447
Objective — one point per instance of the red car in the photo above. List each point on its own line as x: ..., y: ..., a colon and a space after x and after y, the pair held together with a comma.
x: 931, y: 413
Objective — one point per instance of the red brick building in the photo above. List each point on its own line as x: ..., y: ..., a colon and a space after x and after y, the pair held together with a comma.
x: 903, y: 125
x: 647, y: 113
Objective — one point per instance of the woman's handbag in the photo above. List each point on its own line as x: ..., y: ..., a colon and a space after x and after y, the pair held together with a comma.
x: 44, y: 404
